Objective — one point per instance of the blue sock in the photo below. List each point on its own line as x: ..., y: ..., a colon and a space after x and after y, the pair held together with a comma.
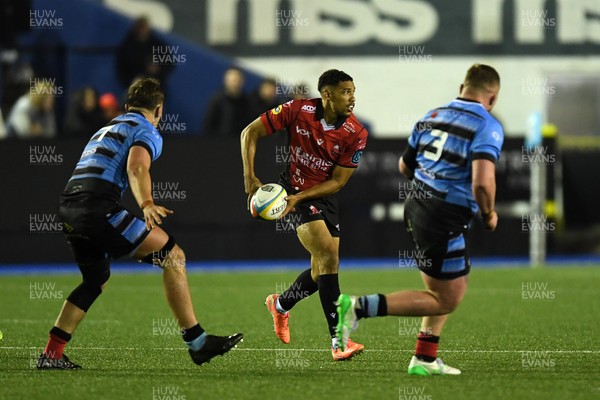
x: 197, y: 343
x: 373, y: 305
x: 280, y: 309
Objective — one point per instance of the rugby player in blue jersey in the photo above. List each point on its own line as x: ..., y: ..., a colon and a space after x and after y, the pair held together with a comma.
x: 450, y: 158
x: 99, y: 229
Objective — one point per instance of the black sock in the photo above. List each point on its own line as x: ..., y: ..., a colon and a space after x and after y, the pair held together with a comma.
x: 303, y: 287
x: 192, y: 333
x: 329, y: 291
x: 56, y: 331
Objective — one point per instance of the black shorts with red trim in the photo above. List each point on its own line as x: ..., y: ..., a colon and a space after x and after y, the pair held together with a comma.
x: 322, y: 208
x: 439, y: 231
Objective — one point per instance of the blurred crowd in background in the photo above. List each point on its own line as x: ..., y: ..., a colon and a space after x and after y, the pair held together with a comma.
x: 28, y: 108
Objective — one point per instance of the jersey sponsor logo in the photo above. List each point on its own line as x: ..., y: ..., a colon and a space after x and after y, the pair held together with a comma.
x: 308, y: 108
x: 314, y: 210
x: 298, y: 179
x: 276, y: 110
x: 356, y: 156
x: 299, y: 156
x: 349, y: 126
x: 427, y: 173
x: 88, y: 152
x: 301, y: 131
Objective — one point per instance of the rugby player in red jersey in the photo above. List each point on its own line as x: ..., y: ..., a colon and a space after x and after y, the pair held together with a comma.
x: 326, y: 142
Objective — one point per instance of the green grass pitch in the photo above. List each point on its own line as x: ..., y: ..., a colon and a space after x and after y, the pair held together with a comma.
x: 519, y: 334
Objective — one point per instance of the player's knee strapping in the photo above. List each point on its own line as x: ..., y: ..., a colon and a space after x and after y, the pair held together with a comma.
x: 157, y: 257
x: 94, y: 276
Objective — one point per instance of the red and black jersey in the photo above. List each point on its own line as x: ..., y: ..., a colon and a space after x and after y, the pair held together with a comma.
x: 315, y: 146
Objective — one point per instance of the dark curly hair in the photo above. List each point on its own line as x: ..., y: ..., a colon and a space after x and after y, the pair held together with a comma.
x: 332, y: 77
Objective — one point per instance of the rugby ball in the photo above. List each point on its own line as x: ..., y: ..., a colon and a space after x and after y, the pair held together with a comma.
x: 268, y: 203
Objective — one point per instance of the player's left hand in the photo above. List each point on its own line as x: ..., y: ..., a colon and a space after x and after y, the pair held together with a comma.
x: 292, y: 201
x: 490, y: 221
x: 251, y: 185
x: 152, y: 214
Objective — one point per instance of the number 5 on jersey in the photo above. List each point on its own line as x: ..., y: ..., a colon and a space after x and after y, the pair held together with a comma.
x: 437, y: 143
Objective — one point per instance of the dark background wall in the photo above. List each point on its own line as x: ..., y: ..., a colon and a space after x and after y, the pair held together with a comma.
x: 201, y: 180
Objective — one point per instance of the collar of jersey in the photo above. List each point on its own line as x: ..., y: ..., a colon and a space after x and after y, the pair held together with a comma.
x: 136, y: 112
x: 320, y: 116
x: 139, y: 115
x: 462, y: 99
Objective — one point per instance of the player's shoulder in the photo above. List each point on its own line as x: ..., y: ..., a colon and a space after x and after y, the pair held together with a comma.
x: 431, y: 114
x: 494, y: 130
x: 477, y: 110
x: 492, y: 122
x: 293, y: 105
x: 139, y: 126
x: 299, y: 108
x: 306, y: 106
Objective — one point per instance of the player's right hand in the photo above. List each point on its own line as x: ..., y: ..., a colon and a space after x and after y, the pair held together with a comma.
x: 490, y: 221
x: 152, y: 214
x: 251, y: 185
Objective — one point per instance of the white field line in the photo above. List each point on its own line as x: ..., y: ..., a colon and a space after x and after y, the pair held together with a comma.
x: 45, y: 321
x: 311, y: 350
